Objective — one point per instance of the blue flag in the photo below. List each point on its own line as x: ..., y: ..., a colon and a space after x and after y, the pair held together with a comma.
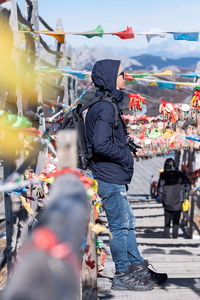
x: 187, y: 36
x: 166, y: 85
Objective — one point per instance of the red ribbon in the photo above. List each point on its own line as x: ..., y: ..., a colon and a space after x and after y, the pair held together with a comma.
x: 85, y: 180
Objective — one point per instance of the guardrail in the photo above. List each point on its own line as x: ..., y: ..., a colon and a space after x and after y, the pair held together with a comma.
x: 188, y: 216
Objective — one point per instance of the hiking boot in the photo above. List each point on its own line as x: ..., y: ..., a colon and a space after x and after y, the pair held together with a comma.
x: 143, y: 272
x: 127, y: 281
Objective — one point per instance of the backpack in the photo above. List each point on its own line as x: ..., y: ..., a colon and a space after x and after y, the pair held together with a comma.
x: 74, y: 120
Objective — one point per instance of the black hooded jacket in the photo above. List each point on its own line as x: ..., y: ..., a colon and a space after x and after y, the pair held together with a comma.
x: 172, y: 185
x: 112, y: 160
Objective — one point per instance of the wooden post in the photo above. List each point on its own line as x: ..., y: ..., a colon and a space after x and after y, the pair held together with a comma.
x: 14, y: 26
x: 58, y: 46
x: 67, y: 158
x: 61, y: 64
x: 8, y: 168
x: 67, y: 149
x: 62, y: 96
x: 25, y: 10
x: 35, y: 22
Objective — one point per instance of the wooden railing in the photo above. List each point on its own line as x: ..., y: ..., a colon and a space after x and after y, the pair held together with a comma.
x: 67, y: 214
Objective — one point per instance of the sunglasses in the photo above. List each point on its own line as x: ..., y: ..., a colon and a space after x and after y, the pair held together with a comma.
x: 121, y: 74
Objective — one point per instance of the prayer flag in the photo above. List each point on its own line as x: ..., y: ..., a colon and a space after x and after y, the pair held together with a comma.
x: 126, y: 34
x: 166, y: 85
x: 138, y: 75
x: 149, y: 36
x: 132, y: 81
x: 187, y: 36
x: 96, y: 32
x: 190, y: 74
x: 59, y: 35
x: 68, y: 70
x: 154, y: 83
x: 165, y: 73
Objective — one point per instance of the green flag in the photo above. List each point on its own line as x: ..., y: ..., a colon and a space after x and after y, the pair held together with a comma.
x: 96, y: 32
x: 138, y: 75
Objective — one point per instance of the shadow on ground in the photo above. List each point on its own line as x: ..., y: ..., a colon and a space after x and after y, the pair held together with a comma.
x: 191, y: 283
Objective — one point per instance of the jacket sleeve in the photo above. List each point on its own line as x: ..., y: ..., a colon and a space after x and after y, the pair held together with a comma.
x: 103, y: 144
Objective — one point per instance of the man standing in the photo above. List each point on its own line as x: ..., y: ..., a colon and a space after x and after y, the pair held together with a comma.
x: 112, y: 167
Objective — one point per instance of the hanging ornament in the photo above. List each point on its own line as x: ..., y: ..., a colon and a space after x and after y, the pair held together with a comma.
x: 168, y: 110
x: 136, y: 102
x: 196, y: 100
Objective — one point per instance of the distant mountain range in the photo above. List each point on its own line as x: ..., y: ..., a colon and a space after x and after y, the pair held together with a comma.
x: 149, y: 62
x: 85, y: 57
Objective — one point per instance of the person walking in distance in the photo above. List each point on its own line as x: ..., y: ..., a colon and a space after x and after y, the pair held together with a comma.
x: 112, y: 166
x: 172, y: 186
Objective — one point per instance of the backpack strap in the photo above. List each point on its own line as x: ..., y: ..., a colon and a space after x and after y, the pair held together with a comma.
x: 88, y: 104
x: 106, y: 98
x: 115, y: 109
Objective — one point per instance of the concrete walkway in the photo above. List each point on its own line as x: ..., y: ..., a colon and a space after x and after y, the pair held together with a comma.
x: 179, y: 258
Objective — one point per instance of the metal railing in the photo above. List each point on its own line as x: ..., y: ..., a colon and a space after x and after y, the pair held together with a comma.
x: 188, y: 216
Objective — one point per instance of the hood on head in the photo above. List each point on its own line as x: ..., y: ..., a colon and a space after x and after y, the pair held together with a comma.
x: 104, y: 76
x: 170, y: 164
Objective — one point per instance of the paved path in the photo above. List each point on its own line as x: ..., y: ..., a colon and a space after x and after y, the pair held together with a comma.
x: 179, y: 258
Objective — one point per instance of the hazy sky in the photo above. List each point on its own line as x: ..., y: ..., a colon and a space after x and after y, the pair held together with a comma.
x: 141, y: 15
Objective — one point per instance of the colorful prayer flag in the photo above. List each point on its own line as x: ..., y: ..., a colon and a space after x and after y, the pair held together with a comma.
x: 166, y: 85
x: 165, y: 73
x: 149, y: 36
x: 96, y: 32
x: 187, y: 36
x: 59, y: 35
x: 126, y: 34
x: 68, y: 70
x: 138, y: 75
x: 190, y: 74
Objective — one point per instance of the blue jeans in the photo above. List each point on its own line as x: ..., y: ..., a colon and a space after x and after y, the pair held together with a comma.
x: 120, y: 217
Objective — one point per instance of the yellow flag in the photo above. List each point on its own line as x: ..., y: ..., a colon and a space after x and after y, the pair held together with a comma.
x: 153, y: 83
x: 59, y: 35
x: 165, y: 73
